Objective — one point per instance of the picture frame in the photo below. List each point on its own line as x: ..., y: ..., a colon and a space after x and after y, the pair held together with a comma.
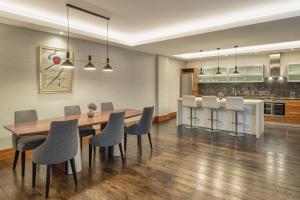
x: 52, y: 78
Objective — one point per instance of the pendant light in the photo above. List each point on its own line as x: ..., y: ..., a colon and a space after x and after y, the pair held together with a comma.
x: 218, y: 72
x: 90, y: 65
x: 235, y: 67
x: 67, y: 64
x: 107, y: 67
x: 201, y: 66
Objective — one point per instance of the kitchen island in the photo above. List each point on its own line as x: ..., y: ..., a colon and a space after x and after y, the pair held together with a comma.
x: 252, y: 117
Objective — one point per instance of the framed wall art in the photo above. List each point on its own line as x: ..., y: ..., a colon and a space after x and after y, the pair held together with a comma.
x: 52, y: 77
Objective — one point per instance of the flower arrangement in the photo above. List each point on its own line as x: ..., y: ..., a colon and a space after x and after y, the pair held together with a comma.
x: 92, y: 107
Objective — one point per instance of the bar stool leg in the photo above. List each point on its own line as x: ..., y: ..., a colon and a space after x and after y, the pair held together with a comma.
x: 236, y: 134
x: 211, y: 129
x: 191, y: 118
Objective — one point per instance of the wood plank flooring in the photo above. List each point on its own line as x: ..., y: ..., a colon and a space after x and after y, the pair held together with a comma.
x: 185, y: 164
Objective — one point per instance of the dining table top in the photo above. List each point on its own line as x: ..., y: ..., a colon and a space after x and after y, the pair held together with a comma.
x: 43, y: 126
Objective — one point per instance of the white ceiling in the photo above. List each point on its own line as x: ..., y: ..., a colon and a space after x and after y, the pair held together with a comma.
x: 144, y: 23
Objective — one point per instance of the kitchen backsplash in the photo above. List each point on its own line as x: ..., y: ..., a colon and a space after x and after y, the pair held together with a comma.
x: 274, y: 88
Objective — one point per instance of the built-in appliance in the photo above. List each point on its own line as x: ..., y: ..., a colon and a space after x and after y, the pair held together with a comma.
x: 186, y: 84
x: 274, y: 108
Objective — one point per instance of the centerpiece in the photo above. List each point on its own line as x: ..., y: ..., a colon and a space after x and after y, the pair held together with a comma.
x: 92, y: 107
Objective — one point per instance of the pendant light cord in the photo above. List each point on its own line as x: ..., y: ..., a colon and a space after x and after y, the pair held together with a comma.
x: 68, y: 28
x: 107, y: 41
x: 236, y: 56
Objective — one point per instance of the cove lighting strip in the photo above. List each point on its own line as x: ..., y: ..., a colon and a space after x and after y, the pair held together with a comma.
x: 242, y: 50
x: 279, y: 10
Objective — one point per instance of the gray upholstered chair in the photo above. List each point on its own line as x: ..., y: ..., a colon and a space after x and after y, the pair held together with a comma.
x: 60, y: 146
x: 84, y: 131
x: 107, y: 107
x: 111, y: 135
x: 141, y: 128
x: 24, y: 143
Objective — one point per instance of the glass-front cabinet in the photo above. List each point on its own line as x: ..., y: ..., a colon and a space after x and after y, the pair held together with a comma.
x: 293, y: 72
x: 246, y: 74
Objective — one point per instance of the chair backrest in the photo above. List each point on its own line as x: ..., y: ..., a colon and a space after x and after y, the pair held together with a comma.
x: 145, y: 122
x: 25, y: 116
x: 107, y: 106
x: 72, y: 110
x: 235, y: 103
x: 189, y: 101
x: 210, y: 102
x: 113, y: 133
x: 61, y: 144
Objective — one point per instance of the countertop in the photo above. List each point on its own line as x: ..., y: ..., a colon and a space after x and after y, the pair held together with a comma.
x: 246, y: 101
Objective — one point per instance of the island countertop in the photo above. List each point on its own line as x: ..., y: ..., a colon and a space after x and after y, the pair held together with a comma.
x: 223, y: 101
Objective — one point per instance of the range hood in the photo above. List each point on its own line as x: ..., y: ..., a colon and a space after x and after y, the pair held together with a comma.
x: 274, y: 66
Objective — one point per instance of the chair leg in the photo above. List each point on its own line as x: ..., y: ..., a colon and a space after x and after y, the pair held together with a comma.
x: 121, y: 151
x: 90, y: 155
x: 16, y: 159
x: 149, y: 136
x: 33, y: 174
x: 73, y: 166
x: 66, y: 167
x: 106, y: 152
x: 23, y: 157
x: 140, y: 145
x: 81, y: 143
x: 125, y: 142
x: 48, y: 180
x: 94, y: 134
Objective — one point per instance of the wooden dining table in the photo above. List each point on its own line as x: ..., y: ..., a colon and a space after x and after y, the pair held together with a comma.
x: 43, y: 126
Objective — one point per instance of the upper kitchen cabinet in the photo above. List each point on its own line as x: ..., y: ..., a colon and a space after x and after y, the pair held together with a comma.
x: 293, y: 73
x: 246, y: 74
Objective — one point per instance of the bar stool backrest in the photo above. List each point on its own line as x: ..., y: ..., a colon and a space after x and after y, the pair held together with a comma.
x: 235, y: 103
x: 189, y: 101
x: 210, y: 102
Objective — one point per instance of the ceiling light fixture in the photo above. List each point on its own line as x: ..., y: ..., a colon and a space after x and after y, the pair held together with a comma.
x: 218, y: 72
x: 235, y: 57
x: 90, y: 66
x: 67, y: 64
x: 201, y: 66
x: 243, y: 50
x: 107, y: 67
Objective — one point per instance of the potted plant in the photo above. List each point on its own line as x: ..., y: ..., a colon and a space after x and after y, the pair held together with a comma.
x: 92, y: 107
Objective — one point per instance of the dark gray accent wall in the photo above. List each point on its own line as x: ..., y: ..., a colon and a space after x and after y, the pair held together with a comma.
x: 275, y: 88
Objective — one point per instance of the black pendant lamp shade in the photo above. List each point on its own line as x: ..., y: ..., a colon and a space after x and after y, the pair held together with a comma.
x: 218, y: 71
x: 90, y: 66
x: 67, y: 64
x: 236, y: 68
x: 107, y: 67
x: 201, y: 71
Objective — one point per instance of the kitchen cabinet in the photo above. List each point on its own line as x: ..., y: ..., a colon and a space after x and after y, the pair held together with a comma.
x: 293, y: 73
x: 246, y: 74
x: 292, y: 111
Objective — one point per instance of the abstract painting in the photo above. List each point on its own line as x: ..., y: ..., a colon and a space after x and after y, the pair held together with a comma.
x: 52, y: 77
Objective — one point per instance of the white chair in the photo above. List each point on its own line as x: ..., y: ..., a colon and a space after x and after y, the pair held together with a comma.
x: 211, y: 103
x: 190, y: 102
x: 235, y: 104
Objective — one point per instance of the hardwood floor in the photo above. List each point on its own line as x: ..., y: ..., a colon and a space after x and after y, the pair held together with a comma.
x: 185, y: 164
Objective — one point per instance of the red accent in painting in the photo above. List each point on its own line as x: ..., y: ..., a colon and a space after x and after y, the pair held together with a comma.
x: 56, y: 60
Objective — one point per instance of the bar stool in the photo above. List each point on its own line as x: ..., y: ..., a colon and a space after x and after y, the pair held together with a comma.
x: 190, y: 102
x: 212, y: 104
x: 235, y: 104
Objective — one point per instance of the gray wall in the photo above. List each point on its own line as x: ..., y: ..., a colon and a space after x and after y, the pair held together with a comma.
x: 131, y: 85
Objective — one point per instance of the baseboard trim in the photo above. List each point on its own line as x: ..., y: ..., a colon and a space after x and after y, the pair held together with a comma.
x: 163, y: 118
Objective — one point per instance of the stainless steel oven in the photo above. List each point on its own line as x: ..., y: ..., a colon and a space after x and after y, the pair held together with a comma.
x: 274, y: 108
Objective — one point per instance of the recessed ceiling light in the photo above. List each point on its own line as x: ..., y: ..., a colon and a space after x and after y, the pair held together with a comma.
x: 61, y: 33
x: 275, y: 47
